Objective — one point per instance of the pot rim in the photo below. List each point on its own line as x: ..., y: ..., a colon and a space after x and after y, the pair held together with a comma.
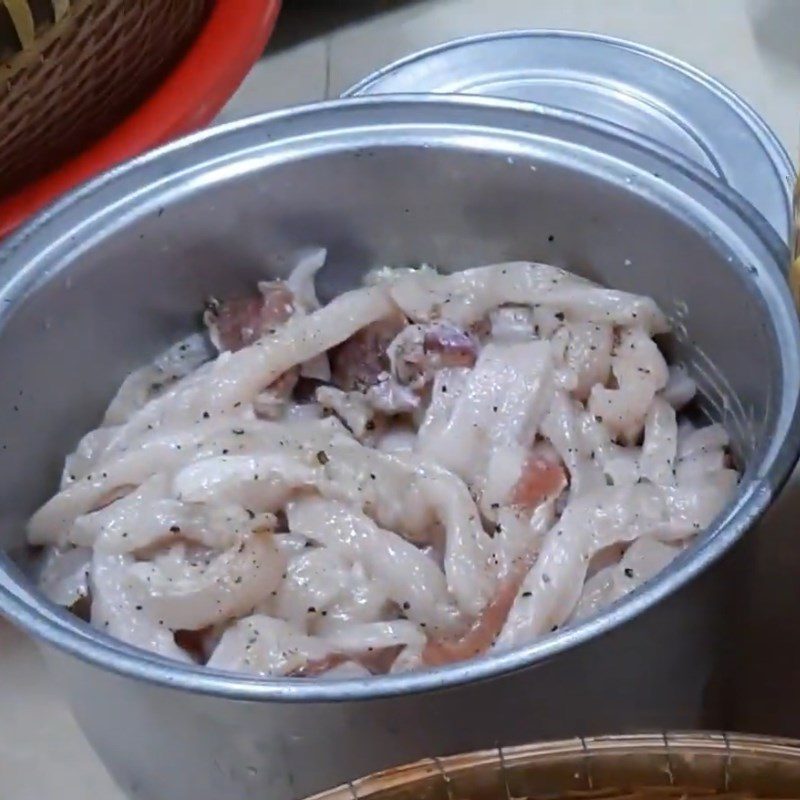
x: 24, y: 263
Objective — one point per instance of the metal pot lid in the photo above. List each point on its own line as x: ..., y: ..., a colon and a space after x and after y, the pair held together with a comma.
x: 632, y: 86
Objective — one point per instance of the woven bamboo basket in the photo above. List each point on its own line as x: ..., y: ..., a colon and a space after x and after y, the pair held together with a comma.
x: 642, y: 767
x: 72, y: 69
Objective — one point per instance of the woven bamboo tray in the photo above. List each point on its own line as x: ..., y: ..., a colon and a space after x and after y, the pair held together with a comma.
x: 662, y: 767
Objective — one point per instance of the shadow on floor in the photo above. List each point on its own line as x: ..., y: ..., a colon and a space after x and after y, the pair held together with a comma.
x: 306, y: 19
x: 776, y: 27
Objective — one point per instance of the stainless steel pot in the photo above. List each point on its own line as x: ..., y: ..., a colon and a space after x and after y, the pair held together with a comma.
x: 643, y: 90
x: 110, y: 275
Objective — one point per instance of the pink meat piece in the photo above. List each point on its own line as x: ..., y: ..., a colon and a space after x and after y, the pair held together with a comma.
x: 359, y: 362
x: 241, y: 321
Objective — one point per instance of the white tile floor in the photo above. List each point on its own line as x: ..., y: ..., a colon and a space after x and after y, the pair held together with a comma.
x: 752, y: 45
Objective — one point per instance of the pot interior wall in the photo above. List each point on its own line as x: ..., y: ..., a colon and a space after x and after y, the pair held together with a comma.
x: 140, y: 281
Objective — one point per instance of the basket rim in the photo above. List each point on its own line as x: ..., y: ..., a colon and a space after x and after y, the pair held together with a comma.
x: 228, y: 44
x: 725, y: 746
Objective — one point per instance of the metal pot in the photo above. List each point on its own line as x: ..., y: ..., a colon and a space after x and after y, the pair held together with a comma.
x: 106, y: 278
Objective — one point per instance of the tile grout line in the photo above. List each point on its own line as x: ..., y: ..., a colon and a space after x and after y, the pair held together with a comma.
x: 328, y: 50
